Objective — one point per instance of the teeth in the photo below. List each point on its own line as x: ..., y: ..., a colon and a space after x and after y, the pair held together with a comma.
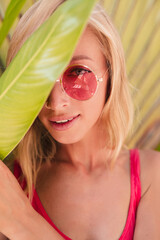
x: 63, y: 121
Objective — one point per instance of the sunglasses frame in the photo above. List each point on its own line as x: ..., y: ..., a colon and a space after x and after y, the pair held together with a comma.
x: 99, y: 79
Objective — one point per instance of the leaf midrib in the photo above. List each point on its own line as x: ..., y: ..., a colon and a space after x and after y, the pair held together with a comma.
x: 33, y: 57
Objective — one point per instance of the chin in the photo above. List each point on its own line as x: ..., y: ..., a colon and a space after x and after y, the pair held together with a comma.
x: 67, y: 139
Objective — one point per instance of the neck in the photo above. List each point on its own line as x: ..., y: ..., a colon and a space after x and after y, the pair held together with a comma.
x: 87, y: 154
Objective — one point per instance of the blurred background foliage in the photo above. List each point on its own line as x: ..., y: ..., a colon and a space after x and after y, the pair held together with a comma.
x: 138, y: 23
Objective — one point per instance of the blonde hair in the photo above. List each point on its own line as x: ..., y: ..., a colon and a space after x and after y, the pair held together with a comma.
x: 38, y: 146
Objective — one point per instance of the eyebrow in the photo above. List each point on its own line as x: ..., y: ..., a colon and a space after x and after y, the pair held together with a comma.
x: 80, y: 57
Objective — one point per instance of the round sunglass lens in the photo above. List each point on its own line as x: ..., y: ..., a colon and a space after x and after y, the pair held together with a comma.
x: 79, y: 82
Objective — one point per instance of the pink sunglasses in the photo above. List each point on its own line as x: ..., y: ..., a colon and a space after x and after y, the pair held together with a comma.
x: 79, y: 82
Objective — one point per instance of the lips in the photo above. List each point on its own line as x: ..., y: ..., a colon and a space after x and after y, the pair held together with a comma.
x: 62, y: 118
x: 62, y: 124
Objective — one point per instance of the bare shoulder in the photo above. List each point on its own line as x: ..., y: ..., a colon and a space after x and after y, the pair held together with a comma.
x: 148, y: 213
x: 150, y: 155
x: 150, y: 167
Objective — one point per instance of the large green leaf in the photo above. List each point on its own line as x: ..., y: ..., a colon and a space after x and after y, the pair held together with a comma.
x: 12, y: 12
x: 27, y: 82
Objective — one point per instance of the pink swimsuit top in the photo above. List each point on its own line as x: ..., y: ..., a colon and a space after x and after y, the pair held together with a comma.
x: 128, y: 231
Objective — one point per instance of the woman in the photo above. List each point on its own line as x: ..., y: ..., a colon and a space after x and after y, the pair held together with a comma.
x: 86, y: 184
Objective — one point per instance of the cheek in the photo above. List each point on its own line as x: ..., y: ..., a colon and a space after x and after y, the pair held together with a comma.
x: 96, y: 104
x: 93, y: 111
x: 42, y: 116
x: 100, y: 97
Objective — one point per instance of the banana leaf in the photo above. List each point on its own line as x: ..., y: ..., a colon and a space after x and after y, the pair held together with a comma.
x: 11, y: 14
x: 27, y: 82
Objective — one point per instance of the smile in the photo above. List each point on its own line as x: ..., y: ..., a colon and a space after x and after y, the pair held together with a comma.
x: 63, y: 125
x: 63, y: 121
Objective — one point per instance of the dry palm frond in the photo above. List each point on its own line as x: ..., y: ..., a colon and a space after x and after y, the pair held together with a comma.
x: 138, y: 24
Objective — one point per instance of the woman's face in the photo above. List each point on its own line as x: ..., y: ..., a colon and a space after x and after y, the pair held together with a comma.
x: 85, y: 113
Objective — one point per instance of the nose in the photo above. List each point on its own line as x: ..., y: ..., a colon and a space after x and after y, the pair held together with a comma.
x: 58, y: 99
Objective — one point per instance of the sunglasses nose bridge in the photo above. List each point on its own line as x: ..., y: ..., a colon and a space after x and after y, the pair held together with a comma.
x: 58, y: 97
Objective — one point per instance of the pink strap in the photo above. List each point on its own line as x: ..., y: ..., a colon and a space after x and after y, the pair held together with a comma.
x: 128, y: 231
